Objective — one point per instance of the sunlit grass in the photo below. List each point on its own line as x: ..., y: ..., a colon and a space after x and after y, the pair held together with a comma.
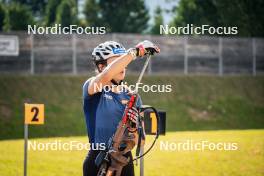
x: 248, y: 160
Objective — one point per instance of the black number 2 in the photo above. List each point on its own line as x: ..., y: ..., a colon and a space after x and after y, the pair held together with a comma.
x: 35, y: 117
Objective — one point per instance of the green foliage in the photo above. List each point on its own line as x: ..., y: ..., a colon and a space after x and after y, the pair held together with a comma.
x: 245, y: 14
x: 118, y: 15
x: 51, y: 10
x: 196, y: 12
x: 36, y: 6
x: 92, y: 13
x: 19, y: 17
x: 195, y: 103
x: 66, y: 13
x: 2, y: 16
x: 158, y: 20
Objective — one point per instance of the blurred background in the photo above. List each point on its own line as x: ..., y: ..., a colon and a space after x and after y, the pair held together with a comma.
x: 217, y: 80
x: 125, y: 22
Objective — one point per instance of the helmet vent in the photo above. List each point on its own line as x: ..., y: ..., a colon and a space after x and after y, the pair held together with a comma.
x: 112, y: 46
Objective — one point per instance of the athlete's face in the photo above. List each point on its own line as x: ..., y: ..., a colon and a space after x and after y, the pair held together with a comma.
x: 121, y: 75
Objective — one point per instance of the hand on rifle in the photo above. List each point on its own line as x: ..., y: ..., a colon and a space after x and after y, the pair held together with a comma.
x: 133, y: 114
x: 146, y: 47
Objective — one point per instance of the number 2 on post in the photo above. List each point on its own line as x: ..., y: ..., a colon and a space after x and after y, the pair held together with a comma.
x: 34, y: 114
x: 36, y: 111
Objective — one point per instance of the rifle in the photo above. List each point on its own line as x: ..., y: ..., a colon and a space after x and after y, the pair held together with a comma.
x: 125, y: 138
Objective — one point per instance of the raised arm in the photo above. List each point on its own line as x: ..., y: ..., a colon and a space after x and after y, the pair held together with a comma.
x: 119, y: 63
x: 108, y: 73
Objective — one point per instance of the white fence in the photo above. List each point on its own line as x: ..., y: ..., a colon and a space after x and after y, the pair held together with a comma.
x: 71, y: 54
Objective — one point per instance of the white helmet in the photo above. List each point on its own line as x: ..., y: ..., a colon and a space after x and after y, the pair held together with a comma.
x: 106, y: 50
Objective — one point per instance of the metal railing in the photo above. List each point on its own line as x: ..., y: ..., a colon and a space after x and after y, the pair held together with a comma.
x: 46, y: 54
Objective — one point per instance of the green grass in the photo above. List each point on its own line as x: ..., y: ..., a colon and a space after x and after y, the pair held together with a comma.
x: 248, y: 160
x: 195, y: 103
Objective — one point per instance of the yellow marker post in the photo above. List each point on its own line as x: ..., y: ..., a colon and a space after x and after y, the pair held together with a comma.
x: 34, y: 115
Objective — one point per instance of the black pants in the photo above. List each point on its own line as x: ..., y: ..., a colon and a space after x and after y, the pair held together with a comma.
x: 90, y: 169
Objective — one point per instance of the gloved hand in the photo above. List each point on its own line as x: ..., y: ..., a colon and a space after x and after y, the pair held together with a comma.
x: 146, y: 47
x: 133, y: 115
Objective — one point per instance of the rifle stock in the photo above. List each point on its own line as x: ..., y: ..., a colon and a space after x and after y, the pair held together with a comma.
x: 122, y: 136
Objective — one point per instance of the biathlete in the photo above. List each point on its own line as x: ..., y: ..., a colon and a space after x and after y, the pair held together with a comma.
x: 103, y: 108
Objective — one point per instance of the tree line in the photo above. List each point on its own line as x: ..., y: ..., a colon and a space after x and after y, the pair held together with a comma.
x: 132, y: 16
